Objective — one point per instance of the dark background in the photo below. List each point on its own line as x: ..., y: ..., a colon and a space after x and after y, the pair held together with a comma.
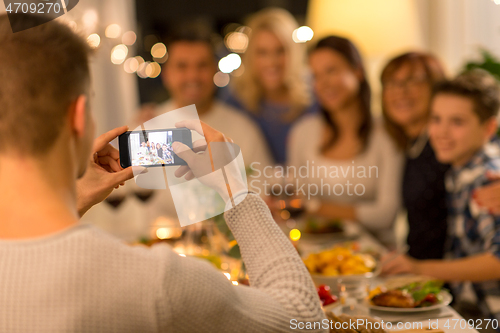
x: 157, y: 17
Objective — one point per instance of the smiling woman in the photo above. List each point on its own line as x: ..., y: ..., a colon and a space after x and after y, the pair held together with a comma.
x: 273, y: 88
x: 343, y: 137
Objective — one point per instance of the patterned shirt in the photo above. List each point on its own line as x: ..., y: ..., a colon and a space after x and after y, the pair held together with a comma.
x: 472, y: 229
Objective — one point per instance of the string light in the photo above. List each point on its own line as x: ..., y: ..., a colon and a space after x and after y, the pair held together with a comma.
x: 229, y: 63
x: 119, y: 54
x: 90, y: 19
x: 159, y: 50
x: 113, y: 31
x: 141, y: 71
x: 129, y: 38
x: 221, y: 79
x: 236, y: 41
x: 162, y: 233
x: 131, y: 65
x: 295, y: 234
x: 239, y: 71
x: 302, y: 34
x: 94, y: 40
x: 152, y: 70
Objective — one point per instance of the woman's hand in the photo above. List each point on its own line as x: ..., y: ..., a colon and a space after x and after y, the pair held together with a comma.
x: 103, y: 173
x: 489, y: 196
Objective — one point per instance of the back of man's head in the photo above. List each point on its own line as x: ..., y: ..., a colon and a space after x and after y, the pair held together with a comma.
x: 42, y: 71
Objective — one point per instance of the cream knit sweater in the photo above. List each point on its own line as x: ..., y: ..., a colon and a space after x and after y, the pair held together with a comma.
x: 83, y: 280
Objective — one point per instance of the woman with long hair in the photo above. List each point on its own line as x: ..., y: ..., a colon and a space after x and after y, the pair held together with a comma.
x: 362, y: 164
x: 273, y: 88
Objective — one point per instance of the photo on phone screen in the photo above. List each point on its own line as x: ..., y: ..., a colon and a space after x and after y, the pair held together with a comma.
x: 152, y: 148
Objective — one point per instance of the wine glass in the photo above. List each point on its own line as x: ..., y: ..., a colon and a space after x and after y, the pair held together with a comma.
x: 117, y: 197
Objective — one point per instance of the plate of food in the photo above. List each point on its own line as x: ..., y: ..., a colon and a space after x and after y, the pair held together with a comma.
x: 420, y: 295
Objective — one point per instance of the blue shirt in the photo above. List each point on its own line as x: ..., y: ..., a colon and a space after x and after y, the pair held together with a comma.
x: 272, y: 122
x: 472, y: 229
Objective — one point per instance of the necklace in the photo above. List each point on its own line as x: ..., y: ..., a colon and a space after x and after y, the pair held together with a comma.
x: 416, y: 148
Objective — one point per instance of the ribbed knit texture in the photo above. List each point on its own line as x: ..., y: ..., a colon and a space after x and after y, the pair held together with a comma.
x: 83, y: 280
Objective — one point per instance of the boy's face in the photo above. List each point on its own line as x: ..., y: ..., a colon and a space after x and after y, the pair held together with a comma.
x: 455, y: 130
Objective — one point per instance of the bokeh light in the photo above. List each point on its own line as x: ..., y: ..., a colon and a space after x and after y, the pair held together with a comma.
x: 131, y: 65
x: 113, y: 31
x: 159, y: 50
x: 236, y: 42
x: 129, y: 38
x: 141, y: 71
x: 295, y: 234
x: 90, y: 19
x: 230, y: 63
x: 221, y: 79
x: 162, y: 233
x: 239, y: 71
x: 94, y: 40
x: 119, y: 54
x: 302, y: 34
x: 152, y: 70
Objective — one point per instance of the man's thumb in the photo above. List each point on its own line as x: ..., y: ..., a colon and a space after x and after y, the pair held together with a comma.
x: 126, y: 174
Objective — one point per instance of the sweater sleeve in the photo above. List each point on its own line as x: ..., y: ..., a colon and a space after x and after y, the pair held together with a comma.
x: 381, y: 212
x: 194, y: 296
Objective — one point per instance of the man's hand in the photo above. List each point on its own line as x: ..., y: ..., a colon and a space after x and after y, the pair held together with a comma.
x: 214, y: 152
x: 103, y: 174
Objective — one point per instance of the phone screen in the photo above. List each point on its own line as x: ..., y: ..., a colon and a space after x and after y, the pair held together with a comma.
x: 153, y: 147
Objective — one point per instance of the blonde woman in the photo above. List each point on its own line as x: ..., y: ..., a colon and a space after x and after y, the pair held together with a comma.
x: 273, y: 88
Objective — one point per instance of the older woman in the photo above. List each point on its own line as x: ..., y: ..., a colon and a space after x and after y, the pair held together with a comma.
x: 407, y: 83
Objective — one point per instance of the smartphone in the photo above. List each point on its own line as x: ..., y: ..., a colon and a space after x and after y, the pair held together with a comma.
x: 152, y: 148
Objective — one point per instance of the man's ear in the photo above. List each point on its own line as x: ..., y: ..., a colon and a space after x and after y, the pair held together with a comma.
x: 491, y: 127
x: 78, y: 115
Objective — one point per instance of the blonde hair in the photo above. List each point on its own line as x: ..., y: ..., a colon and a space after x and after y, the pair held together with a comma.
x: 246, y: 87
